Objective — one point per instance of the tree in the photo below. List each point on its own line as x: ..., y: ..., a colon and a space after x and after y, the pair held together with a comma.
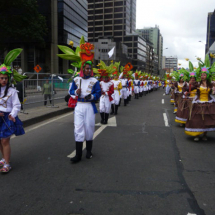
x: 20, y: 22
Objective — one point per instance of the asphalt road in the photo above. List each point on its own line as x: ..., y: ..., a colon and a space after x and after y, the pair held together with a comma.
x: 140, y: 167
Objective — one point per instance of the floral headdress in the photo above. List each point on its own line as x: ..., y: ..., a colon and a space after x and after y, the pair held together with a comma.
x: 104, y: 70
x: 5, y: 68
x: 80, y: 57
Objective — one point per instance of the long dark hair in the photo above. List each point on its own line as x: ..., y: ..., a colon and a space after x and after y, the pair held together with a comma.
x: 7, y: 87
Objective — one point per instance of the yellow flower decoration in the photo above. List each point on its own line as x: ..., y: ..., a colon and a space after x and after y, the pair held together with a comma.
x: 187, y: 59
x: 212, y: 55
x: 71, y: 43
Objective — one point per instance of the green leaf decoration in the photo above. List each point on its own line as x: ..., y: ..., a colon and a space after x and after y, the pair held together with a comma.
x: 190, y: 66
x: 69, y: 57
x: 77, y: 51
x: 82, y: 41
x: 11, y: 56
x: 70, y: 71
x: 76, y: 64
x: 207, y: 61
x: 17, y: 77
x: 66, y: 50
x: 102, y: 65
x: 95, y: 70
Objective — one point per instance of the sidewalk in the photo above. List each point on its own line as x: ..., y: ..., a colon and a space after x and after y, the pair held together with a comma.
x: 38, y: 114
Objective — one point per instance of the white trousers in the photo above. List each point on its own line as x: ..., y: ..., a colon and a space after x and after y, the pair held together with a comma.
x: 104, y: 104
x: 124, y: 93
x: 116, y: 97
x: 141, y: 89
x: 168, y: 88
x: 130, y: 92
x: 84, y: 121
x: 136, y: 89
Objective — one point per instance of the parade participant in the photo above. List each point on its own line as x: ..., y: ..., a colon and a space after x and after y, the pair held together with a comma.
x: 107, y: 90
x: 130, y: 84
x: 145, y: 86
x: 124, y: 81
x: 117, y: 88
x: 141, y: 85
x: 189, y: 93
x: 9, y: 108
x: 167, y: 84
x: 136, y: 85
x: 202, y: 115
x: 88, y: 90
x: 177, y: 87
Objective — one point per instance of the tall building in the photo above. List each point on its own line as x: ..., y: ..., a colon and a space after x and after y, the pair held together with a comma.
x: 115, y: 18
x: 171, y: 63
x: 154, y: 36
x: 115, y: 22
x: 66, y: 21
x: 210, y: 30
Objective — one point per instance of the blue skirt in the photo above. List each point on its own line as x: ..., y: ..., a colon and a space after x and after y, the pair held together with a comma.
x: 8, y: 127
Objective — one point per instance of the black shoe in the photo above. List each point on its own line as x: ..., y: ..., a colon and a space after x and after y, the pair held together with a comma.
x: 89, y: 155
x: 77, y: 158
x: 89, y: 145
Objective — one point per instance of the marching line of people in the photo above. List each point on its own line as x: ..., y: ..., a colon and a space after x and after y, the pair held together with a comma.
x: 108, y: 84
x: 192, y: 93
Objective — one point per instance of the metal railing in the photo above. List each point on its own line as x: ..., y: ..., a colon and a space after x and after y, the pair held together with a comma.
x: 47, y: 91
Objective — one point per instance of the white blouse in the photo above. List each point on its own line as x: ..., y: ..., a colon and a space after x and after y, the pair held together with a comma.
x: 10, y: 103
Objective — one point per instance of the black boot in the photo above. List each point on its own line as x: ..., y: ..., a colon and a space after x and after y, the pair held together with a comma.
x: 129, y: 97
x: 137, y: 95
x: 106, y: 118
x: 125, y: 102
x: 77, y: 158
x: 112, y: 109
x: 120, y: 102
x: 102, y: 117
x: 89, y: 146
x: 116, y: 109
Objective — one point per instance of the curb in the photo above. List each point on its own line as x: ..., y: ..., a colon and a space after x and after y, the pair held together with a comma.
x: 44, y: 117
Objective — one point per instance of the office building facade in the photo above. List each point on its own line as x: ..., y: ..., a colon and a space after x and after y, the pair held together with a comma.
x: 171, y: 63
x: 210, y: 30
x: 154, y: 36
x: 116, y: 20
x: 66, y: 21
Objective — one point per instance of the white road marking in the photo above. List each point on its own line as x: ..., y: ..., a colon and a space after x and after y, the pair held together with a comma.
x: 45, y: 123
x: 111, y: 123
x: 162, y: 101
x: 165, y: 120
x: 164, y: 94
x: 190, y: 214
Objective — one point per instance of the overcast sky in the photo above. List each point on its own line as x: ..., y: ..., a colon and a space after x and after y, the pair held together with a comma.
x: 182, y: 24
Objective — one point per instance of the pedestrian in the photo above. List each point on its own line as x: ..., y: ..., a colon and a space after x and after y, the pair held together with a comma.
x: 47, y: 92
x: 9, y: 122
x: 88, y: 90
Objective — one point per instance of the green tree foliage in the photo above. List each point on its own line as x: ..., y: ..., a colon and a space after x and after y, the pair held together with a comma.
x: 20, y: 22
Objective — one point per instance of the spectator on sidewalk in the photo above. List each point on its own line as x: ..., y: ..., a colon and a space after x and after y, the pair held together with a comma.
x: 47, y: 92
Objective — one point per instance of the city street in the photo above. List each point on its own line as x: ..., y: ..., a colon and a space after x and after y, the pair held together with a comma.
x: 143, y: 164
